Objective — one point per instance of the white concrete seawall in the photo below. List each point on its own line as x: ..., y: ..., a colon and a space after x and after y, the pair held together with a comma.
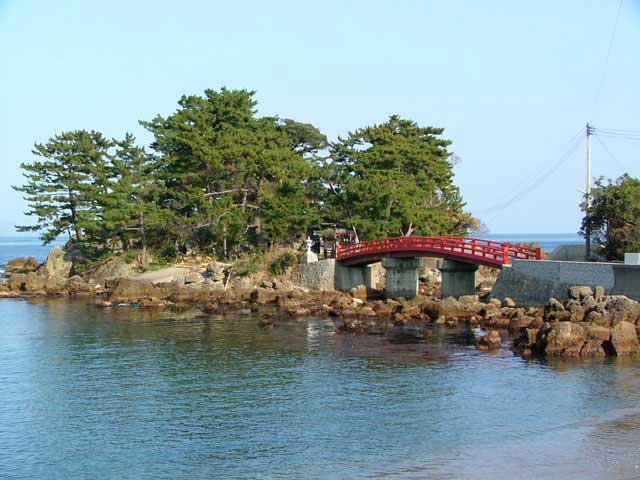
x: 533, y: 282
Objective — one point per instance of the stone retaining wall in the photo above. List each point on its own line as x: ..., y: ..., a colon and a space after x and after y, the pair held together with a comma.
x: 318, y: 275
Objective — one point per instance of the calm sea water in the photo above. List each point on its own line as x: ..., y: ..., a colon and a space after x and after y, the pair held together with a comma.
x: 127, y: 394
x: 547, y: 241
x: 23, y: 246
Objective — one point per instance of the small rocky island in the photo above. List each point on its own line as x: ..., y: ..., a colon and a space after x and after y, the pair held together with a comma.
x: 588, y: 323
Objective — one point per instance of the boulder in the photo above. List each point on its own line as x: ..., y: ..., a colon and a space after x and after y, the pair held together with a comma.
x: 554, y: 305
x: 565, y: 339
x: 592, y: 348
x: 599, y: 294
x: 599, y: 333
x: 109, y: 269
x: 495, y: 301
x: 193, y: 277
x: 519, y: 322
x: 21, y: 265
x: 359, y: 291
x: 597, y: 318
x: 489, y: 311
x: 77, y: 286
x: 490, y: 341
x: 368, y: 312
x: 34, y: 282
x: 580, y: 292
x: 130, y: 288
x: 589, y: 303
x: 508, y: 302
x: 56, y: 265
x: 216, y: 271
x: 240, y: 283
x: 450, y: 307
x: 469, y: 299
x: 622, y: 308
x: 17, y: 282
x: 261, y: 296
x: 624, y: 339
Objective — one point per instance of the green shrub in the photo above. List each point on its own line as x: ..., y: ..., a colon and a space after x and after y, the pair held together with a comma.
x: 130, y: 256
x: 282, y: 263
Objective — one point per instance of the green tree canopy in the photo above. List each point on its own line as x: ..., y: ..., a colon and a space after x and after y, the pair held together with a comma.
x: 396, y: 178
x: 223, y: 167
x: 62, y: 184
x: 614, y: 216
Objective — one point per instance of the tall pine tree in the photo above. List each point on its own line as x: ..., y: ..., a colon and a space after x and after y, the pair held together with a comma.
x: 62, y: 183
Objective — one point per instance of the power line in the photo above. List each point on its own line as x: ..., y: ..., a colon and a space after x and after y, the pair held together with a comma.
x: 596, y: 98
x: 525, y: 180
x: 621, y: 136
x: 536, y: 182
x: 613, y: 157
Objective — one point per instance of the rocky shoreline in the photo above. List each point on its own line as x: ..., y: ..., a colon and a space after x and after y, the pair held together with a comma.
x: 589, y: 324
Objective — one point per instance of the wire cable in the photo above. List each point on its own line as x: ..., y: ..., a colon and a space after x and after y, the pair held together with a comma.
x: 603, y: 78
x: 527, y: 179
x: 613, y: 157
x: 535, y: 183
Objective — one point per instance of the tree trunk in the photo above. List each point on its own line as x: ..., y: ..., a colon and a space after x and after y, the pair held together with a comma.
x: 143, y: 237
x: 224, y: 242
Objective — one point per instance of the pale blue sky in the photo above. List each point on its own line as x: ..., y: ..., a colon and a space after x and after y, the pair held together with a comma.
x: 511, y: 82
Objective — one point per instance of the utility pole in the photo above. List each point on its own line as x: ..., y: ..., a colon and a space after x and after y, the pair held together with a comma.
x: 587, y: 195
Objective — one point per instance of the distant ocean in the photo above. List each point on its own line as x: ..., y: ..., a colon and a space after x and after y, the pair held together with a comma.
x: 24, y: 246
x: 547, y: 241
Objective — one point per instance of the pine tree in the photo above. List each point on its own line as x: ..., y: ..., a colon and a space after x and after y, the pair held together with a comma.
x: 222, y: 166
x: 63, y: 182
x: 394, y: 179
x: 129, y: 211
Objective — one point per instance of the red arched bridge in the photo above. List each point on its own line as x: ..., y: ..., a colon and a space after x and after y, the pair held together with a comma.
x: 461, y: 249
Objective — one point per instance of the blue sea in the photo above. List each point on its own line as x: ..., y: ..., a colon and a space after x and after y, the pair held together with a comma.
x: 24, y: 246
x: 547, y: 241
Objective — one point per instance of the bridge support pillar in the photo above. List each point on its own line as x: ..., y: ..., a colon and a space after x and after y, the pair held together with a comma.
x: 458, y: 278
x: 402, y: 277
x: 348, y: 277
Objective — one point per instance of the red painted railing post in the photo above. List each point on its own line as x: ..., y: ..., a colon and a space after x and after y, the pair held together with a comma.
x: 538, y: 253
x: 338, y: 248
x: 505, y: 255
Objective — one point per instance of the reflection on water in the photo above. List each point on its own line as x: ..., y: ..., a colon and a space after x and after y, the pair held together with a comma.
x: 91, y: 393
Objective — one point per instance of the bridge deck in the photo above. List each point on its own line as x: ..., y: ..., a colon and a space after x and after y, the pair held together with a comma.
x: 463, y: 249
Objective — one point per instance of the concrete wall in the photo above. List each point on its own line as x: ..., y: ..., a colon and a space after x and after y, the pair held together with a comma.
x: 315, y: 276
x: 348, y: 277
x: 575, y: 273
x: 627, y: 281
x: 533, y: 282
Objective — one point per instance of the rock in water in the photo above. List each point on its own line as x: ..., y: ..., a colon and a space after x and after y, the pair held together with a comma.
x: 490, y: 341
x: 21, y: 265
x: 565, y: 339
x: 56, y: 266
x: 624, y: 339
x: 359, y: 291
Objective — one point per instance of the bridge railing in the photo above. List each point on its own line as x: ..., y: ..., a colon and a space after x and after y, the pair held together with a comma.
x: 486, y: 251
